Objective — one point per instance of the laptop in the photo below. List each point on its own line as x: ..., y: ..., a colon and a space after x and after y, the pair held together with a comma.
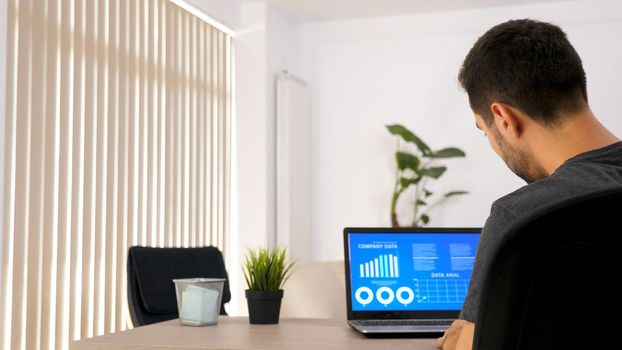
x: 407, y: 280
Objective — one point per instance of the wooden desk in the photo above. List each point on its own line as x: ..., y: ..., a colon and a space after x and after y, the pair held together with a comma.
x: 236, y: 333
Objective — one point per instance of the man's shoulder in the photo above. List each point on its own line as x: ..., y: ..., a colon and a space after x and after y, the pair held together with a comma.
x: 577, y: 177
x: 525, y: 198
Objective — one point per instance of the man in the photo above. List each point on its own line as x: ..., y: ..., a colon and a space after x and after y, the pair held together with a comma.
x: 527, y: 89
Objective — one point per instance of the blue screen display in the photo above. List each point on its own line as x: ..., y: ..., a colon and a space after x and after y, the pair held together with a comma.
x: 411, y: 271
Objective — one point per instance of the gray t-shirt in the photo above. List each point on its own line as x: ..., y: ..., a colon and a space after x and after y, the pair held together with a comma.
x: 588, y: 172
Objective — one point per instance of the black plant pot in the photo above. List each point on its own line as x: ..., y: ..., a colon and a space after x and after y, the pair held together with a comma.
x: 264, y: 307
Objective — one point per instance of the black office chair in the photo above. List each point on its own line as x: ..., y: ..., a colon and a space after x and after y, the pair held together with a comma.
x: 150, y: 287
x: 551, y: 283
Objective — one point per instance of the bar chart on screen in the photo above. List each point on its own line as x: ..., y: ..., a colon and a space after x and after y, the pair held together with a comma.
x: 385, y: 265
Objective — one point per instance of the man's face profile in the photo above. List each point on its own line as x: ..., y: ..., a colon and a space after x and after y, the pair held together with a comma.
x: 519, y: 161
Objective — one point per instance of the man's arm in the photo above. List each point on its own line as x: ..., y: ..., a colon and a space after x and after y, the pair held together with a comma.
x: 458, y: 337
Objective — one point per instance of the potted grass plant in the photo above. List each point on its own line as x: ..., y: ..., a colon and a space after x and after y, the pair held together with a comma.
x: 265, y: 271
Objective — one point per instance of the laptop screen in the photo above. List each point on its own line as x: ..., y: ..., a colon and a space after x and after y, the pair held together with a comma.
x: 409, y: 270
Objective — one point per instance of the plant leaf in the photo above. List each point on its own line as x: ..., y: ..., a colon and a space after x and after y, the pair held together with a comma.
x: 434, y: 172
x: 405, y: 182
x: 427, y: 193
x: 450, y: 152
x: 407, y: 161
x: 420, y: 202
x: 455, y: 193
x: 266, y: 269
x: 409, y: 136
x: 425, y: 219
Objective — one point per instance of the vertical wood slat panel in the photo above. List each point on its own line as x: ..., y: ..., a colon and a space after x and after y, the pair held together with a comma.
x: 8, y: 203
x: 175, y: 139
x: 152, y: 71
x: 209, y: 151
x: 50, y: 211
x: 226, y: 180
x: 132, y: 145
x: 154, y: 174
x: 203, y: 124
x: 150, y: 78
x: 223, y: 145
x: 89, y: 173
x: 214, y: 145
x: 99, y: 270
x: 128, y: 154
x: 223, y: 138
x: 177, y: 120
x: 200, y: 86
x: 90, y: 159
x: 221, y: 110
x: 183, y: 119
x: 157, y: 82
x: 38, y: 176
x: 223, y: 142
x: 128, y: 113
x: 201, y: 140
x: 65, y: 179
x: 142, y: 58
x: 122, y: 160
x: 34, y: 247
x: 192, y: 229
x: 219, y: 139
x: 185, y: 238
x: 197, y: 87
x: 171, y: 84
x: 22, y: 146
x: 164, y: 59
x: 112, y: 54
x: 76, y: 99
x: 181, y: 123
x: 186, y: 123
x: 226, y: 144
x: 218, y: 133
x: 171, y: 90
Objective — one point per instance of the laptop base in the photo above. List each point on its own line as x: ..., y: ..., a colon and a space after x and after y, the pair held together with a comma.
x: 425, y: 335
x: 395, y: 330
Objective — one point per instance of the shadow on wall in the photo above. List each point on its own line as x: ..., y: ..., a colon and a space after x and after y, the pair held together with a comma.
x: 316, y: 290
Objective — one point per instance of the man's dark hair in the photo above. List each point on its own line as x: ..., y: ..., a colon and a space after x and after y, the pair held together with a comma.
x: 527, y: 64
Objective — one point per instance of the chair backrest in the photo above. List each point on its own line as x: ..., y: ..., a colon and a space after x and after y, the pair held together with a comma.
x: 150, y: 271
x: 551, y: 282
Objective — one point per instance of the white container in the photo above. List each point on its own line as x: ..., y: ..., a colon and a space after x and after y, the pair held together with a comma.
x: 198, y: 300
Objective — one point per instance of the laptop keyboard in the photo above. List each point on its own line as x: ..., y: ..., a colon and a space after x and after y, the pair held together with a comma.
x: 405, y: 322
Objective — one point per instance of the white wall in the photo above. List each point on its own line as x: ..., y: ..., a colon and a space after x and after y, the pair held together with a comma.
x: 266, y: 43
x: 226, y: 12
x: 372, y: 72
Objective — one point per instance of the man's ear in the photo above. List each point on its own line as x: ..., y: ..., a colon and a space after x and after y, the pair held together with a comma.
x: 507, y: 119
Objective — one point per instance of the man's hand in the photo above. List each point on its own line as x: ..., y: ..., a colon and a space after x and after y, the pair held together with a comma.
x: 458, y: 337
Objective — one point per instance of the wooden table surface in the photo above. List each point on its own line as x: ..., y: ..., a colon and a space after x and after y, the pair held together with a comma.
x: 236, y: 333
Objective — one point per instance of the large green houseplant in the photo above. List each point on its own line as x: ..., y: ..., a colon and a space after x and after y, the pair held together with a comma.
x: 266, y: 271
x: 415, y: 169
